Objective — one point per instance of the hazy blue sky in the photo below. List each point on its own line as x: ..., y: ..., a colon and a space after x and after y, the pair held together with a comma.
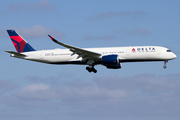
x: 138, y: 91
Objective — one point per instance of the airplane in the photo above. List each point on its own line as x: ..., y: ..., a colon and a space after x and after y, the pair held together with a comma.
x: 111, y: 57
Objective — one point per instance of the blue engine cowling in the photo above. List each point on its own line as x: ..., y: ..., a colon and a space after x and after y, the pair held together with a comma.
x: 116, y: 66
x: 111, y: 61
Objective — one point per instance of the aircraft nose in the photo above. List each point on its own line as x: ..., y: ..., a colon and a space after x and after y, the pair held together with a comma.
x: 173, y: 56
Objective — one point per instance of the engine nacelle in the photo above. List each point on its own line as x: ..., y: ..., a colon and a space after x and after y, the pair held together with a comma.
x: 110, y: 60
x: 115, y: 66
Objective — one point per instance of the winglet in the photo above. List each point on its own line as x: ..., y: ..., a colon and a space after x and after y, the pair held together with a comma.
x: 52, y: 38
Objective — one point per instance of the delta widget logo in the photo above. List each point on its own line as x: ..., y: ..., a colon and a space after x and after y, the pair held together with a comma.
x: 133, y: 50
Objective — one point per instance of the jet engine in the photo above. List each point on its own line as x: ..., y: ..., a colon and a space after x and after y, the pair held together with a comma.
x: 111, y: 61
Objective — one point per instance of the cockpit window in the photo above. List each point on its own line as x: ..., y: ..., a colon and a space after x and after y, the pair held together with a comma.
x: 168, y: 50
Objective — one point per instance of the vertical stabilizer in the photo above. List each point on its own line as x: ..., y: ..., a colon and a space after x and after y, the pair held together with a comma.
x: 19, y: 43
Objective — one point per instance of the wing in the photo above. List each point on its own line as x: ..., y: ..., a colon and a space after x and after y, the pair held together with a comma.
x: 85, y: 54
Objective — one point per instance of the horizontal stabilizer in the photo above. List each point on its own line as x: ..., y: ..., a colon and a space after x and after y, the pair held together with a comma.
x: 15, y: 54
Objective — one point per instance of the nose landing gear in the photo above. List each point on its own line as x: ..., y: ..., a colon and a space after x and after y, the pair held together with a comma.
x: 91, y: 69
x: 165, y: 64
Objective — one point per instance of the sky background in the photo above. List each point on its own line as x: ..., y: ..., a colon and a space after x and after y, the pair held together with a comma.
x: 138, y: 91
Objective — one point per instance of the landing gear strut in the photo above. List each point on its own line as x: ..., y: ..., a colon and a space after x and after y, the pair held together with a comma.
x: 165, y: 64
x: 91, y: 69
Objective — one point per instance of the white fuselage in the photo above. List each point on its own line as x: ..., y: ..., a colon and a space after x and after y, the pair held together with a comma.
x: 125, y: 54
x: 111, y: 57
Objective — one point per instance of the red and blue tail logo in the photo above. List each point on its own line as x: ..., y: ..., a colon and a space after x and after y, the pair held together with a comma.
x: 19, y: 43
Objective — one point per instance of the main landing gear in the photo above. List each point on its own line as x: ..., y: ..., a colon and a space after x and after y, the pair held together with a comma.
x: 165, y: 64
x: 91, y: 69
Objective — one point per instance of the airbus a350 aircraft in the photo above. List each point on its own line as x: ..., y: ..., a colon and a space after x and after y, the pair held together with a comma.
x: 111, y: 57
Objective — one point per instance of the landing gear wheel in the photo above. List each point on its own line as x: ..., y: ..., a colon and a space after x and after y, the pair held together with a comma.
x: 91, y: 69
x: 88, y: 69
x: 165, y: 64
x: 164, y: 67
x: 94, y: 70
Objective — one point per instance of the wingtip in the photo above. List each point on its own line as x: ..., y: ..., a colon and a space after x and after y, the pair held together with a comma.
x: 51, y: 37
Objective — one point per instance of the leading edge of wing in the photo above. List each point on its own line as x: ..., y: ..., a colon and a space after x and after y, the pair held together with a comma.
x: 81, y: 52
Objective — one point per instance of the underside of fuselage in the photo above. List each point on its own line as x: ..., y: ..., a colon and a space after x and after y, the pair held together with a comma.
x: 96, y: 63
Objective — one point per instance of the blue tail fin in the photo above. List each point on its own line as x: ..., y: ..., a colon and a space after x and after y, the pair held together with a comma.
x: 19, y: 43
